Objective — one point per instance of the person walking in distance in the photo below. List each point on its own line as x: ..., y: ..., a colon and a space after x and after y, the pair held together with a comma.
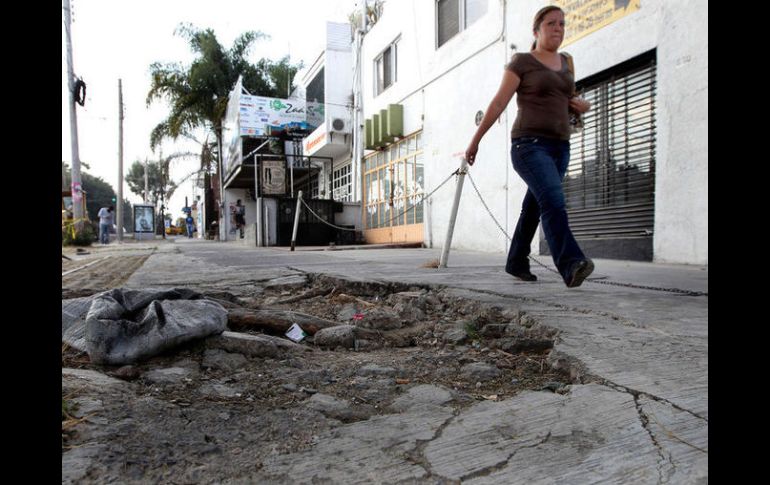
x: 105, y: 223
x: 240, y: 217
x: 190, y: 222
x: 540, y: 146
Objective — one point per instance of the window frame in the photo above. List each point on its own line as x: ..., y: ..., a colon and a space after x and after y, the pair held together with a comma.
x: 392, y: 49
x: 462, y: 20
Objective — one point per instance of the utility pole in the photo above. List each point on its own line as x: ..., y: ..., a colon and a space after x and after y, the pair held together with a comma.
x: 146, y: 183
x: 119, y: 210
x: 76, y: 186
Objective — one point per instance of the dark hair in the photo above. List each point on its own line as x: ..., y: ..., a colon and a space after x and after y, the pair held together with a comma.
x: 539, y: 17
x: 111, y: 208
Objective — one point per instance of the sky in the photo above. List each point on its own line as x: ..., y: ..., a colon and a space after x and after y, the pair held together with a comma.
x: 114, y: 40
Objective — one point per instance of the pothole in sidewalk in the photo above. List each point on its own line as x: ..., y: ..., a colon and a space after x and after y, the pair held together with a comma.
x: 250, y: 407
x: 372, y: 342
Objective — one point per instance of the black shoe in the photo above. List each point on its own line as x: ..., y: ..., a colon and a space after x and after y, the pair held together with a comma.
x: 579, y: 272
x: 524, y: 275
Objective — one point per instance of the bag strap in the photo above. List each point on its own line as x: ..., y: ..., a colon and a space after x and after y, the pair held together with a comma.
x: 571, y: 67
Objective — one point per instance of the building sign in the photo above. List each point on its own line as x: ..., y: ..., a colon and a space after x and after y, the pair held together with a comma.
x: 273, y: 177
x: 313, y: 142
x: 586, y: 16
x: 256, y: 112
x: 231, y: 137
x: 248, y: 115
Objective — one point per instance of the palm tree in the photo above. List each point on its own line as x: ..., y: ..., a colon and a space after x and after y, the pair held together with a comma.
x: 198, y: 94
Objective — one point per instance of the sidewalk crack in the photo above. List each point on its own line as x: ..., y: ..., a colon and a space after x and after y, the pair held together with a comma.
x: 636, y: 393
x: 645, y: 422
x: 503, y: 463
x: 417, y: 454
x: 644, y: 418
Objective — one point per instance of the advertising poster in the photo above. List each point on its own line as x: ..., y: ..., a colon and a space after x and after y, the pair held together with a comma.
x: 144, y: 219
x: 273, y: 177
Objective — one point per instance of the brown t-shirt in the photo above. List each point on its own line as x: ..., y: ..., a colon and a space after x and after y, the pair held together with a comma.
x: 543, y: 98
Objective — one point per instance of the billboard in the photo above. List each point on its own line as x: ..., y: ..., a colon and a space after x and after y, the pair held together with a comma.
x: 256, y: 112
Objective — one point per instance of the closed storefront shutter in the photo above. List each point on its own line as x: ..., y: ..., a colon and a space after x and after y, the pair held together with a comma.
x: 610, y: 183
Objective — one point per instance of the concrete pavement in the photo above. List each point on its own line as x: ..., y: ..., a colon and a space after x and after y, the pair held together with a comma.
x: 637, y: 413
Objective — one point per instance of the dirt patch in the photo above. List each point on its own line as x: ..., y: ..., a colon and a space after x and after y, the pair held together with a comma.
x: 200, y: 414
x: 88, y: 276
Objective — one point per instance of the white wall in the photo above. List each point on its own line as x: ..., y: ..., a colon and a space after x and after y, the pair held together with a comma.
x: 441, y: 91
x: 678, y: 30
x: 443, y: 99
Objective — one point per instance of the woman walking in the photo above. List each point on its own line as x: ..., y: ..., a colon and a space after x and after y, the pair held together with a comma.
x: 540, y: 147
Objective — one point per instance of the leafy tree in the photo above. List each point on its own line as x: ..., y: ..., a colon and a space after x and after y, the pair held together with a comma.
x: 98, y: 194
x: 135, y: 180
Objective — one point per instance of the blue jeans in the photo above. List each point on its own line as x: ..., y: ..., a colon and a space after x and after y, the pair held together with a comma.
x: 542, y: 163
x: 189, y: 230
x: 104, y: 233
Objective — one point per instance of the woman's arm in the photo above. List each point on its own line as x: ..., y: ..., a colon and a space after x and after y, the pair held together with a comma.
x: 504, y: 94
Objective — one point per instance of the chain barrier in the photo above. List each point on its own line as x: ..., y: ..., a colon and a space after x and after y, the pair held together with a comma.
x: 320, y: 219
x: 589, y: 280
x: 69, y: 225
x: 456, y: 172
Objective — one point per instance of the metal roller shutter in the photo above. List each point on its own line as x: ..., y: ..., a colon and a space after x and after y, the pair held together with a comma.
x: 610, y: 182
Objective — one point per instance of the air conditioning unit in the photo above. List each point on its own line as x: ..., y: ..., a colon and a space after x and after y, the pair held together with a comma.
x: 338, y: 124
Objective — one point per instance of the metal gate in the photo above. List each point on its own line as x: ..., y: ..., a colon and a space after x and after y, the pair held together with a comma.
x: 610, y: 182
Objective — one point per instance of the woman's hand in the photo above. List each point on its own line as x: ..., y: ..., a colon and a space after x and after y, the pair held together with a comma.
x: 579, y: 104
x: 470, y: 153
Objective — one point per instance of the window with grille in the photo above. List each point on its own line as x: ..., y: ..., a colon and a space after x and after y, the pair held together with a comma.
x: 341, y: 184
x: 394, y: 184
x: 453, y: 16
x: 610, y: 182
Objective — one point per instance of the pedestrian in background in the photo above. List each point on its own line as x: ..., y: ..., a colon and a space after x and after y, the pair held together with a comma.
x: 190, y: 222
x: 240, y: 217
x: 105, y: 224
x: 540, y: 146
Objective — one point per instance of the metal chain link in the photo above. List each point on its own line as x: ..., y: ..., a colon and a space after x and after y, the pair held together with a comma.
x: 320, y: 219
x: 589, y: 280
x: 456, y: 172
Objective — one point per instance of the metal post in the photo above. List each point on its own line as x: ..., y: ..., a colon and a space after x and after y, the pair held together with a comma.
x: 119, y: 210
x: 266, y: 229
x: 146, y: 182
x: 429, y: 221
x: 76, y: 185
x: 291, y: 174
x: 296, y: 220
x: 259, y: 222
x: 257, y: 204
x: 453, y: 215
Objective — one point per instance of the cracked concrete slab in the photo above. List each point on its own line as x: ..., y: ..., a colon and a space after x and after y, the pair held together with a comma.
x: 376, y: 450
x: 591, y: 434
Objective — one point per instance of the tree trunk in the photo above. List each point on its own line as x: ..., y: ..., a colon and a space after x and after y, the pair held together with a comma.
x: 276, y: 320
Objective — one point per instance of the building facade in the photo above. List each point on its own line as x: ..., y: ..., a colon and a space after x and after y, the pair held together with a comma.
x: 637, y: 185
